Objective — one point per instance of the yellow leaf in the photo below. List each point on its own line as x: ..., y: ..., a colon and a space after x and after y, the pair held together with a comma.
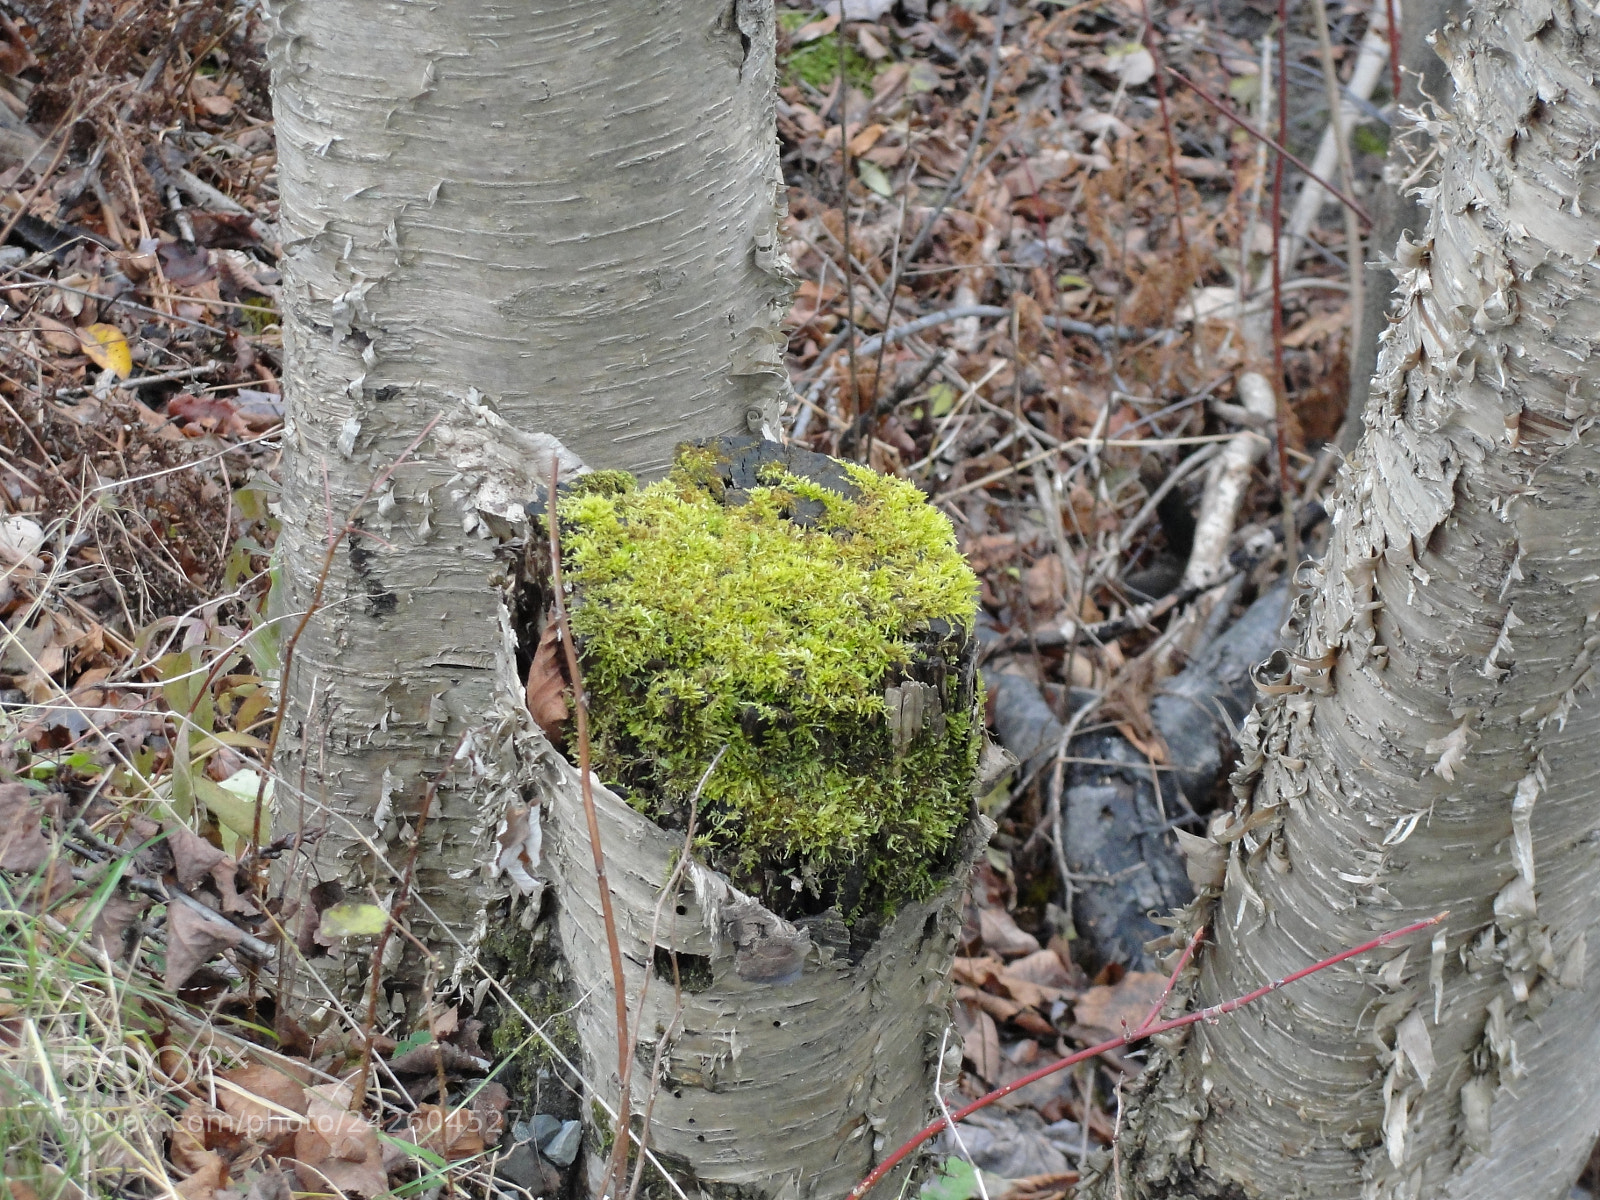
x: 233, y: 803
x: 352, y: 920
x: 108, y: 349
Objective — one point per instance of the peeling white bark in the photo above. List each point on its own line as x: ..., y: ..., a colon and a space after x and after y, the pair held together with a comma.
x: 1433, y: 743
x: 797, y: 1070
x: 556, y: 225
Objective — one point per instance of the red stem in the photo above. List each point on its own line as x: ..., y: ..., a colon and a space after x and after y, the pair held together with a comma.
x: 1144, y: 1031
x: 619, y: 1158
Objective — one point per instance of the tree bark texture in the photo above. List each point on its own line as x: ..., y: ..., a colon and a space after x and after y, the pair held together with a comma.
x: 547, y: 226
x: 791, y: 1066
x: 1432, y: 743
x: 1394, y: 212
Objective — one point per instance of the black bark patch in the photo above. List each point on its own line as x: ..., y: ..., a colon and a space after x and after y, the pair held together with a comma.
x: 380, y: 600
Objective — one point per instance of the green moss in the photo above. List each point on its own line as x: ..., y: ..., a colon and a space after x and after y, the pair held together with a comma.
x: 744, y: 606
x: 817, y: 62
x: 525, y: 962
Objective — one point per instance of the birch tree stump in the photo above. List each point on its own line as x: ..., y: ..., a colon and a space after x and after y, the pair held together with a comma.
x: 814, y: 994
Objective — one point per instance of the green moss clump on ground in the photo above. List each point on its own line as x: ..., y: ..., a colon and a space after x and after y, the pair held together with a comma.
x: 817, y: 62
x: 736, y: 604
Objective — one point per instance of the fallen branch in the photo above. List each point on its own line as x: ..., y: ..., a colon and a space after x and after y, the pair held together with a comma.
x: 1145, y: 1030
x: 1227, y: 479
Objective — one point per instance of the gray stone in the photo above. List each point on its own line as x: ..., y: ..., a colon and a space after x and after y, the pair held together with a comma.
x: 563, y: 1148
x: 545, y: 1129
x: 523, y: 1168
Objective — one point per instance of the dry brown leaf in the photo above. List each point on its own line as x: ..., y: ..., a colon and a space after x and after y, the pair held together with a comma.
x: 23, y: 846
x: 185, y: 266
x: 443, y: 1024
x: 271, y: 1184
x: 865, y: 140
x: 263, y: 1100
x: 451, y: 1134
x: 1317, y: 328
x: 812, y: 30
x: 546, y: 686
x: 112, y: 922
x: 489, y: 1106
x: 192, y: 856
x: 193, y: 941
x: 200, y: 1130
x: 58, y: 335
x: 981, y: 1046
x: 1043, y: 584
x: 998, y: 1007
x: 1043, y: 968
x: 976, y: 972
x: 223, y: 231
x: 338, y: 1147
x: 204, y: 1181
x: 1001, y: 935
x: 216, y: 413
x: 1126, y: 1003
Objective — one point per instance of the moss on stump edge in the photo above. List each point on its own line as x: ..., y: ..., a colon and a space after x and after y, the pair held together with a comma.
x: 814, y: 618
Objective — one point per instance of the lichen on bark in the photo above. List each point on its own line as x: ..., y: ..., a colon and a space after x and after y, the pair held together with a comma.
x: 809, y: 621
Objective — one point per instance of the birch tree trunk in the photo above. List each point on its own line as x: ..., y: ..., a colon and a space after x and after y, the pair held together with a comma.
x: 1395, y: 213
x: 1433, y: 743
x: 550, y: 231
x: 542, y: 225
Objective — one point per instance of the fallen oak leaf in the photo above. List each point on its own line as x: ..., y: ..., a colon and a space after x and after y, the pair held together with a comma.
x: 338, y: 1147
x: 1127, y: 1002
x: 23, y: 846
x: 546, y: 690
x: 192, y: 941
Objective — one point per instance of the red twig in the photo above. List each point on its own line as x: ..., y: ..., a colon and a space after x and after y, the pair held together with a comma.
x: 1172, y: 982
x: 1228, y: 113
x: 1145, y: 1030
x: 619, y: 1157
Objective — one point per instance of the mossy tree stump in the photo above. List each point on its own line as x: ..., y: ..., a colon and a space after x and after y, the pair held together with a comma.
x: 809, y: 622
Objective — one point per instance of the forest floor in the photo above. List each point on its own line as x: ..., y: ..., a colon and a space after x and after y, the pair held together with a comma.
x: 1034, y: 261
